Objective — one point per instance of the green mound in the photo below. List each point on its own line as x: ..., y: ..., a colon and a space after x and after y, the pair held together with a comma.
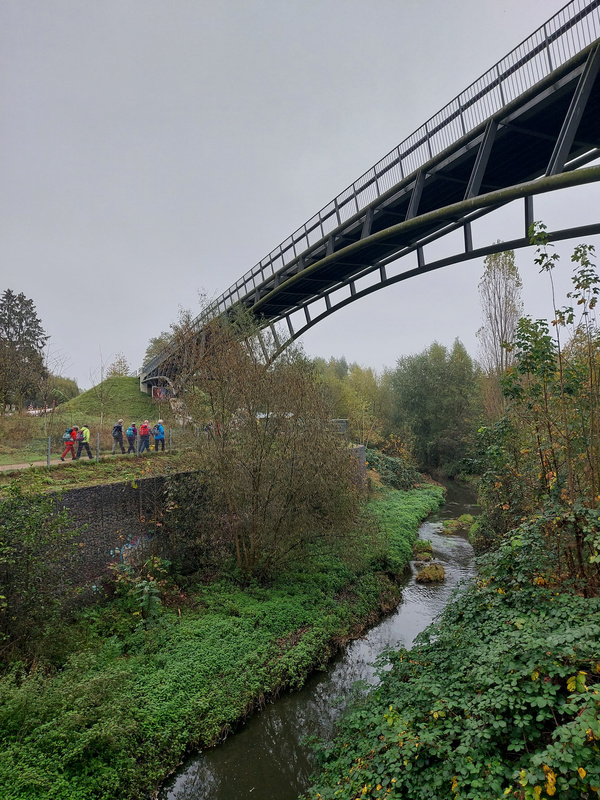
x: 422, y: 547
x: 114, y: 397
x: 464, y: 522
x: 434, y: 573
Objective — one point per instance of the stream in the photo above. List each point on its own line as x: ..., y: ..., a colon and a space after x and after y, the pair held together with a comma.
x: 266, y: 758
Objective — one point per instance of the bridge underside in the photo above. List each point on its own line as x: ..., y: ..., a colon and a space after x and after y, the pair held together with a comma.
x: 539, y: 142
x: 554, y: 129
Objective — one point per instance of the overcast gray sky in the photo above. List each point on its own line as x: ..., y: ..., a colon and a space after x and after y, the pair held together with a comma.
x: 152, y: 149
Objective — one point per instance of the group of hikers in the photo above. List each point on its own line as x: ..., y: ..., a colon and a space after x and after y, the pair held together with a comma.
x: 81, y: 437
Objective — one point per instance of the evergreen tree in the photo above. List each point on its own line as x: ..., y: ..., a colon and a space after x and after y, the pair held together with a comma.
x: 22, y: 341
x: 119, y: 368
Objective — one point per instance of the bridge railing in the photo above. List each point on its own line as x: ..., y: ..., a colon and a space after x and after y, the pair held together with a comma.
x: 563, y: 36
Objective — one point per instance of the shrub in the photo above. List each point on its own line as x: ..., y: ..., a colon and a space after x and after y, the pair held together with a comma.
x: 395, y: 472
x: 422, y: 546
x: 500, y: 698
x: 36, y: 542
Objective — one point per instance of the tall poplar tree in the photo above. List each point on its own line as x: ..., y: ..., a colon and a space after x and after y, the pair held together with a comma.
x: 501, y: 306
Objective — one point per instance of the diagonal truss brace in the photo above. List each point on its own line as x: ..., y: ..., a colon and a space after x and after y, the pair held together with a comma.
x: 577, y: 106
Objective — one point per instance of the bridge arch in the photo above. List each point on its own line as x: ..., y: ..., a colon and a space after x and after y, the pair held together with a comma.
x: 530, y: 125
x: 467, y: 211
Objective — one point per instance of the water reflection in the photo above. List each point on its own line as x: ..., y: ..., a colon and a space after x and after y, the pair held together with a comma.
x: 267, y: 757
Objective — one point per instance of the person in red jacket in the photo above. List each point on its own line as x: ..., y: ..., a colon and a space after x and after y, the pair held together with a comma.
x: 144, y: 436
x: 70, y: 444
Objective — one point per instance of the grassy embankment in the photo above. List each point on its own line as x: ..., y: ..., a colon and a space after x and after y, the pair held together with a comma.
x: 500, y: 699
x: 124, y: 701
x: 90, y: 473
x: 23, y: 438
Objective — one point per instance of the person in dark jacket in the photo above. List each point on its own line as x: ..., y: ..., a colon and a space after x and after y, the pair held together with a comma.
x: 131, y: 437
x: 117, y: 433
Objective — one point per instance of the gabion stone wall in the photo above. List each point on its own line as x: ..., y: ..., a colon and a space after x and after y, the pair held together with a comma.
x: 121, y: 522
x: 114, y: 522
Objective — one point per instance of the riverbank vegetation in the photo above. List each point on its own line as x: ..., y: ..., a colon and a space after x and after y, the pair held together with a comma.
x: 156, y: 667
x: 501, y: 697
x: 267, y: 558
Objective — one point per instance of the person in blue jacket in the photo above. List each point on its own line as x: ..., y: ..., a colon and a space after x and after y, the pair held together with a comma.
x: 159, y: 435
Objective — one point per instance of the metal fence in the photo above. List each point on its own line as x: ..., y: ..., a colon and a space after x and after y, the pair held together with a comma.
x: 48, y: 449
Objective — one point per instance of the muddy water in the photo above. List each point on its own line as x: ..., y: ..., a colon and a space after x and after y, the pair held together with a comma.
x: 267, y: 758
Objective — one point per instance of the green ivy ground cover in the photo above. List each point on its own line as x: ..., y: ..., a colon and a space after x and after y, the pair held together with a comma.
x: 129, y: 702
x: 500, y: 699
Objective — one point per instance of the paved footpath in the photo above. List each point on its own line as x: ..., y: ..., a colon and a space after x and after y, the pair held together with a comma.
x: 57, y: 461
x: 44, y: 463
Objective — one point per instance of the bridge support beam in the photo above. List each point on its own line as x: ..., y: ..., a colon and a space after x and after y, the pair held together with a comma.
x: 566, y: 137
x: 529, y: 218
x: 481, y: 161
x: 415, y: 197
x: 468, y: 237
x: 367, y: 224
x: 427, y: 228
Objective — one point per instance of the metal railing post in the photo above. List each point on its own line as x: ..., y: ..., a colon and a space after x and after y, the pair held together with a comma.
x: 462, y: 120
x: 49, y: 451
x: 98, y: 446
x: 170, y: 440
x: 502, y: 100
x: 548, y: 53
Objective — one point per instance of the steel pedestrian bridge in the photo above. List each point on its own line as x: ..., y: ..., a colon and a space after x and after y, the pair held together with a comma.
x: 529, y: 125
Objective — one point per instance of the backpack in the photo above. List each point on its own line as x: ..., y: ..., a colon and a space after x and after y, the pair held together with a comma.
x: 79, y: 437
x: 144, y: 430
x: 155, y: 430
x: 130, y: 432
x: 66, y: 437
x: 117, y: 431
